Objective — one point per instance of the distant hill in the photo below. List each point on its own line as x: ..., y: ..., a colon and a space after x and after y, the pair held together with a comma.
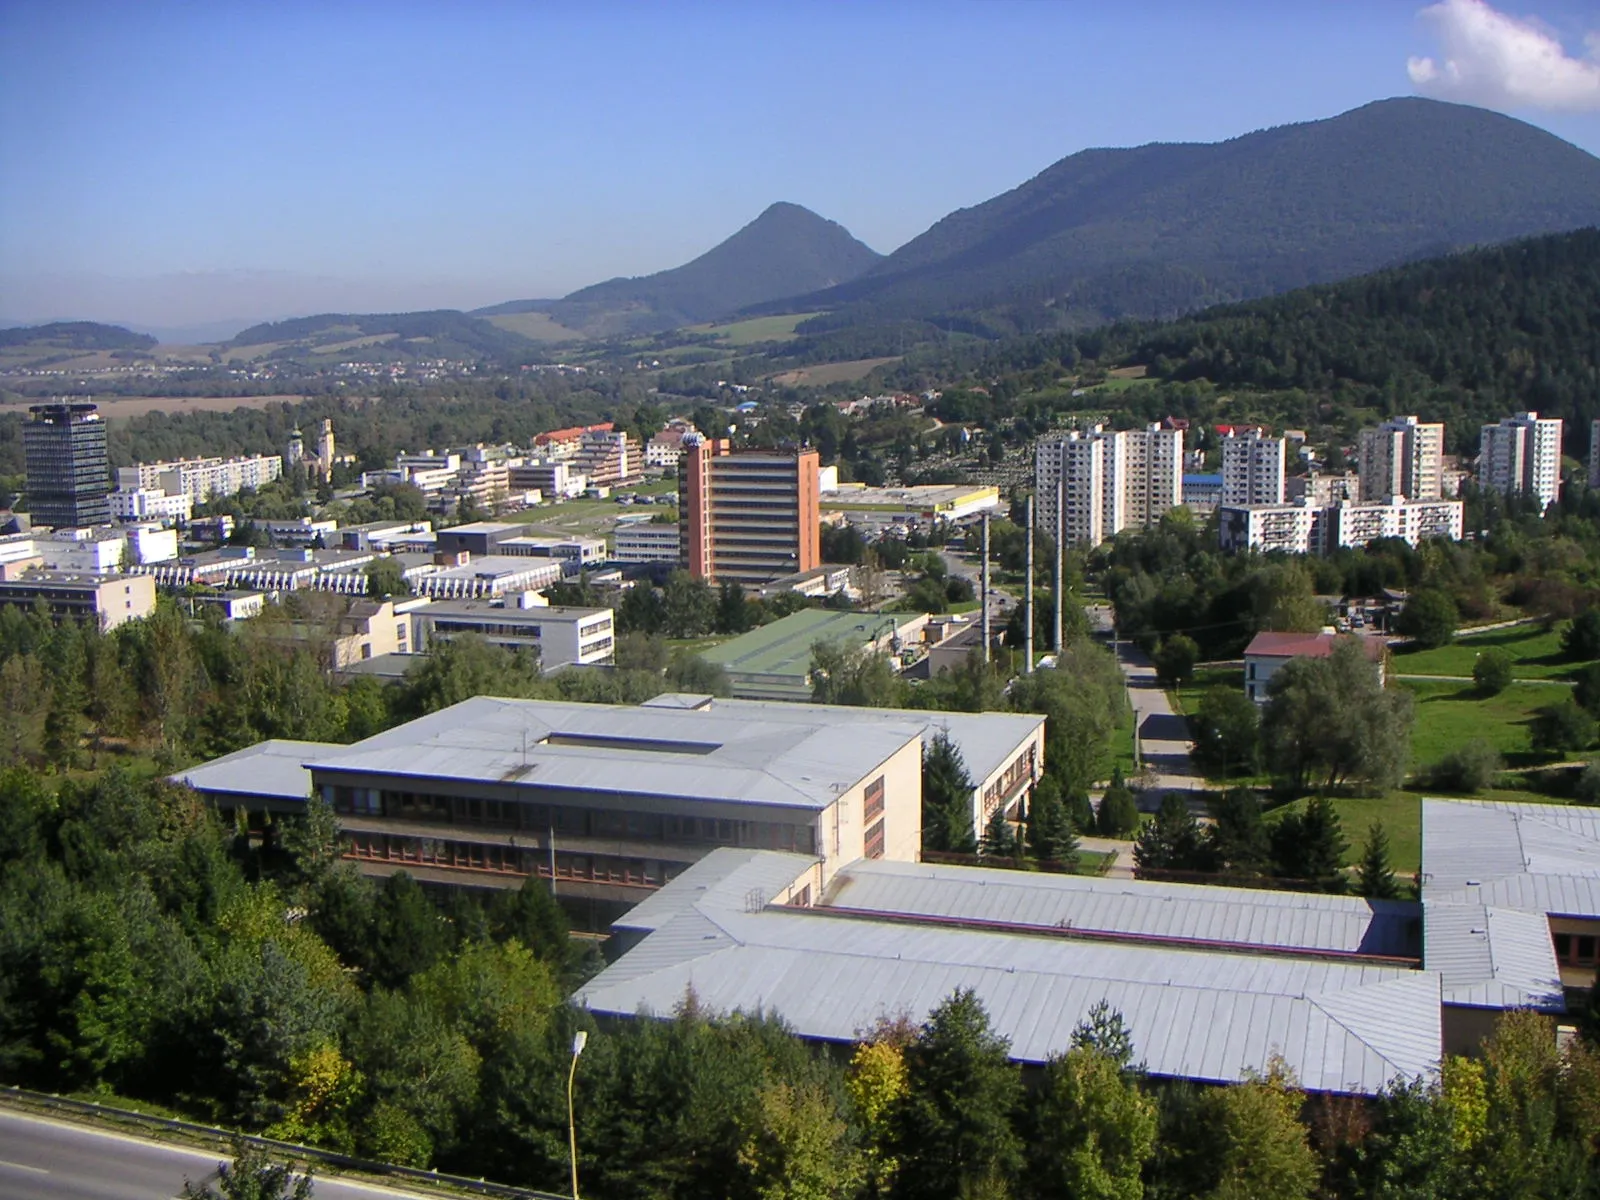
x: 75, y: 335
x: 1163, y: 229
x: 512, y: 308
x: 783, y: 252
x: 380, y: 337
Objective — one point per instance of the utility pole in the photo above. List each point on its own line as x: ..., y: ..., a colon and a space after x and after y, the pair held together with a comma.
x: 1061, y: 506
x: 1027, y: 625
x: 984, y: 584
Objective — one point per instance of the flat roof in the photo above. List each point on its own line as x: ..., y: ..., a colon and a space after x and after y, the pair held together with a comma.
x: 267, y: 769
x: 1308, y: 922
x: 1341, y: 1027
x: 784, y: 646
x: 495, y: 566
x: 510, y: 613
x: 695, y: 754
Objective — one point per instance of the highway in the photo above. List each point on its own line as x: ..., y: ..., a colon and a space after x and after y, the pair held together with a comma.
x: 46, y: 1159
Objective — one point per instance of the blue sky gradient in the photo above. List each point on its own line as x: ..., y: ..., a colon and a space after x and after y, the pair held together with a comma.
x: 404, y: 155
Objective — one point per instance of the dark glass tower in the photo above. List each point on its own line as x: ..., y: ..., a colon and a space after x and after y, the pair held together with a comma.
x: 69, y: 476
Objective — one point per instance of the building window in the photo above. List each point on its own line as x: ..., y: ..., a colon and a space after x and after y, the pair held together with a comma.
x: 872, y: 843
x: 1575, y: 949
x: 874, y: 800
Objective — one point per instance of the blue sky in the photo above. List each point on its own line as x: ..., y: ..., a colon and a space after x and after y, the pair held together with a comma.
x: 187, y: 160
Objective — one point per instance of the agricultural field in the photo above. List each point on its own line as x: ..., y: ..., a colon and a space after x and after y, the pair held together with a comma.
x: 1535, y: 654
x: 122, y: 408
x: 536, y: 326
x: 756, y: 330
x: 826, y: 373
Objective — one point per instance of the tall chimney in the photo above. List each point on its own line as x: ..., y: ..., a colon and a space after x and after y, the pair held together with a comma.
x: 1027, y: 635
x: 1061, y: 504
x: 984, y: 584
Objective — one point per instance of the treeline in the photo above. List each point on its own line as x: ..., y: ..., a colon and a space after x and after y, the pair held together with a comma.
x: 145, y: 952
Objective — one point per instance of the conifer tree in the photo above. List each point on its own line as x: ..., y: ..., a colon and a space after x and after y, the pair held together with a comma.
x: 1376, y: 877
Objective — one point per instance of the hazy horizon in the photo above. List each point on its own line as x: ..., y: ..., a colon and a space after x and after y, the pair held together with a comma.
x: 169, y: 166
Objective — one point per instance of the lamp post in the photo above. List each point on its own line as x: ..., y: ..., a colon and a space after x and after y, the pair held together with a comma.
x: 579, y: 1039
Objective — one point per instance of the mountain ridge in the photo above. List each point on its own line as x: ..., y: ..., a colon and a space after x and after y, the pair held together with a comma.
x: 1157, y: 230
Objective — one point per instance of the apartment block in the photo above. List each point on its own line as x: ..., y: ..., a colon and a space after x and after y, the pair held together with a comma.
x: 607, y: 457
x: 1307, y: 528
x: 107, y: 601
x: 1252, y: 468
x: 202, y: 479
x: 561, y: 637
x: 646, y: 542
x: 151, y: 504
x: 1111, y: 480
x: 69, y: 476
x: 749, y: 515
x: 1289, y: 528
x: 1522, y: 456
x: 1402, y: 458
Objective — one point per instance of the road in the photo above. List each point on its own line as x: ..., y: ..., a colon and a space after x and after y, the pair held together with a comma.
x: 1163, y: 735
x: 46, y: 1159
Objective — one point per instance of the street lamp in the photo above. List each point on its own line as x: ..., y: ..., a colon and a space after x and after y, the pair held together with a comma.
x: 579, y: 1040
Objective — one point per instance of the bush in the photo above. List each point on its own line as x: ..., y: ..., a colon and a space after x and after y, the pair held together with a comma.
x: 1562, y: 728
x: 1588, y: 787
x: 1119, y: 813
x: 1492, y: 671
x: 1587, y: 693
x: 1469, y: 769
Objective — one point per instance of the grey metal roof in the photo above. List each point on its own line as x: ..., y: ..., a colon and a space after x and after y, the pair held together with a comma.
x: 1537, y: 857
x: 1244, y: 916
x: 270, y: 769
x: 1492, y: 957
x: 987, y: 741
x: 1341, y: 1027
x: 747, y: 757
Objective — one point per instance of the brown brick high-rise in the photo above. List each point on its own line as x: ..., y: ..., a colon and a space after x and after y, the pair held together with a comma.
x: 748, y: 515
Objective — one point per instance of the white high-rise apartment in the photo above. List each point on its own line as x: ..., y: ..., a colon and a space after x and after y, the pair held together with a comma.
x: 1113, y: 480
x: 1594, y: 454
x: 1522, y: 454
x: 1402, y: 458
x: 1252, y: 468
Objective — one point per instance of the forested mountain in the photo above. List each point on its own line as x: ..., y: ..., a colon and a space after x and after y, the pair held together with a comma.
x: 785, y: 251
x: 377, y: 337
x: 1159, y: 230
x: 76, y: 335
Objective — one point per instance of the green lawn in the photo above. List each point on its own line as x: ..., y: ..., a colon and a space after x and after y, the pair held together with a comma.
x: 1535, y: 653
x: 1451, y: 715
x: 1400, y: 813
x: 756, y: 330
x: 1206, y: 679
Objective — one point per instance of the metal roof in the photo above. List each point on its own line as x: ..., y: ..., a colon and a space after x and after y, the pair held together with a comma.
x: 1492, y: 875
x: 1305, y: 921
x: 267, y: 769
x: 987, y: 741
x: 705, y: 754
x: 783, y: 647
x: 1216, y: 1017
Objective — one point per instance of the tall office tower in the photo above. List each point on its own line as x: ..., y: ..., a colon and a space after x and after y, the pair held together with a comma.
x: 1402, y: 458
x: 1594, y: 454
x: 69, y: 476
x: 1522, y: 454
x: 1252, y: 469
x: 1113, y: 480
x: 747, y: 516
x: 1078, y: 460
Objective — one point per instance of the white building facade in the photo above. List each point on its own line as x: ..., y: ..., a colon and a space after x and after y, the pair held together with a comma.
x: 1111, y: 480
x: 1522, y: 455
x: 1402, y: 457
x: 1252, y: 469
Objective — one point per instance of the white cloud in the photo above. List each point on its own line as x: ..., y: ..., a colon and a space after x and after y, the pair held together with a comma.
x: 1500, y: 61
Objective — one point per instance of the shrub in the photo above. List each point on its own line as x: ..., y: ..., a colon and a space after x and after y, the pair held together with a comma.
x: 1119, y: 813
x: 1492, y: 671
x: 1587, y: 693
x: 1562, y: 728
x: 1429, y: 617
x: 1469, y: 769
x: 1582, y: 638
x: 1588, y: 787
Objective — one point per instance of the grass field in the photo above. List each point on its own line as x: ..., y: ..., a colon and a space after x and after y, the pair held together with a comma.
x: 825, y: 373
x: 1400, y: 813
x: 1452, y: 715
x: 1206, y: 679
x: 1535, y: 653
x: 756, y: 330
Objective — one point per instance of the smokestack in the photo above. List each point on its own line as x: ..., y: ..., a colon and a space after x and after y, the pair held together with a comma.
x: 1027, y: 625
x: 984, y: 584
x: 1061, y: 503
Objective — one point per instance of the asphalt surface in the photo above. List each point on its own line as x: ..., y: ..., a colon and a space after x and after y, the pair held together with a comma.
x: 45, y: 1159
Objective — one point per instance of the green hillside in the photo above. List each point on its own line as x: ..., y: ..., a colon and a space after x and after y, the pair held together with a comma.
x: 1159, y: 230
x: 785, y: 251
x: 381, y: 337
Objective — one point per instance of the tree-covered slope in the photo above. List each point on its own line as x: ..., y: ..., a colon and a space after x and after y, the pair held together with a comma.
x: 785, y: 251
x: 382, y: 337
x: 1158, y: 230
x: 75, y: 335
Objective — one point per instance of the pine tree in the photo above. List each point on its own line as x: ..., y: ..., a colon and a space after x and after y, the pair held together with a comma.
x: 1172, y: 841
x: 999, y: 838
x: 1376, y: 877
x: 946, y: 798
x: 1050, y: 833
